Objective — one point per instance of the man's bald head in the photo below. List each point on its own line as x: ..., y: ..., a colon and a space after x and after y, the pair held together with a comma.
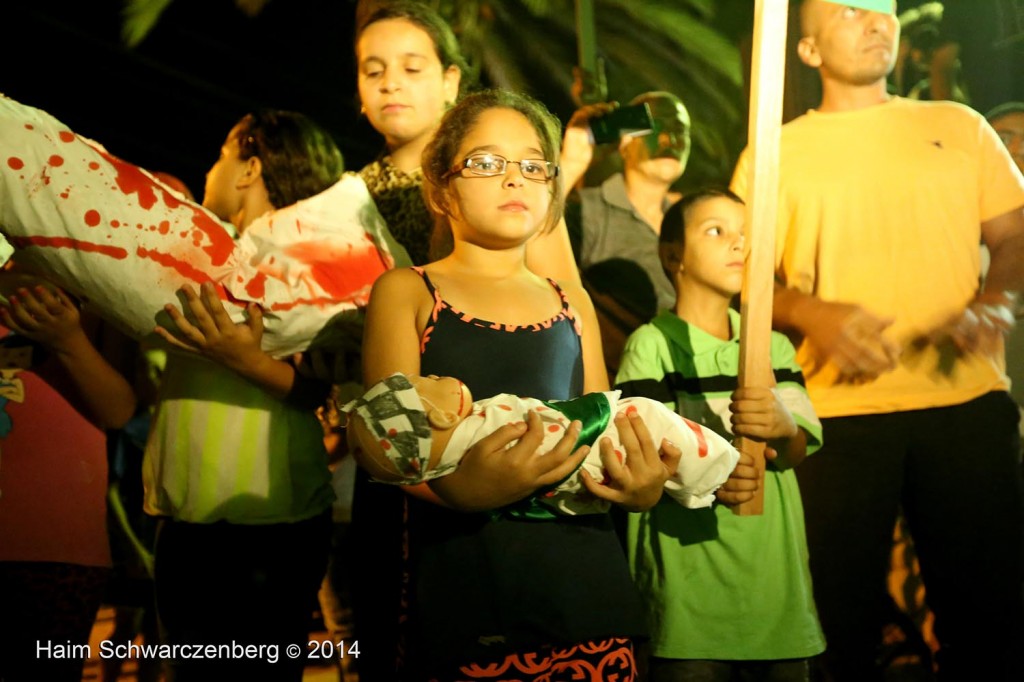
x: 810, y: 17
x: 811, y: 13
x: 848, y: 42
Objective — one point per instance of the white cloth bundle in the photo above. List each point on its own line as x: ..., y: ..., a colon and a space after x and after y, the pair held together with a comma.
x: 117, y: 238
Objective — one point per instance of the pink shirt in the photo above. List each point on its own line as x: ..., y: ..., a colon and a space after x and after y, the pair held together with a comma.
x: 53, y: 472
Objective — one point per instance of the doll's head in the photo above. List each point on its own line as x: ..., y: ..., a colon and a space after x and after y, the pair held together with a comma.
x: 401, y: 425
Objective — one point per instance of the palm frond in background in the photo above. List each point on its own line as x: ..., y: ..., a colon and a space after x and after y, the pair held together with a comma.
x: 140, y: 16
x: 530, y: 45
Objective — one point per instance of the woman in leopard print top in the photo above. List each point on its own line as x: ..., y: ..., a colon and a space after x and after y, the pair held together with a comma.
x: 410, y: 72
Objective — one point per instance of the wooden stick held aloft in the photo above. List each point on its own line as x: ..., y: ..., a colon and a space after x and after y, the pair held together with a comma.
x: 768, y: 68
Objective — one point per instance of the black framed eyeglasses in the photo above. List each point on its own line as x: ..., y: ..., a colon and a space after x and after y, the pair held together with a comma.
x: 487, y: 165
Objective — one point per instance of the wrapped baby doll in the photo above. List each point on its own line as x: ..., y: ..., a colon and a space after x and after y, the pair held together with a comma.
x: 410, y: 429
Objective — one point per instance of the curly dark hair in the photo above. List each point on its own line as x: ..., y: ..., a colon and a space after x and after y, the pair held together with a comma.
x: 299, y: 157
x: 673, y: 224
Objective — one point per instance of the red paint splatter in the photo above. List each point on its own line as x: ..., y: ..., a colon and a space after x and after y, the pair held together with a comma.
x: 702, y: 444
x: 115, y: 223
x: 29, y: 126
x: 256, y: 288
x: 67, y: 243
x: 321, y: 302
x: 340, y: 273
x: 14, y: 163
x: 184, y: 268
x: 165, y: 227
x: 64, y: 195
x: 171, y: 201
x: 507, y: 408
x: 554, y: 428
x: 67, y: 136
x: 56, y: 160
x: 92, y: 217
x: 221, y: 244
x: 131, y: 180
x: 93, y: 165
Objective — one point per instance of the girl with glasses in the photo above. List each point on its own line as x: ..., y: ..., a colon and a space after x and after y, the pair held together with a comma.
x: 489, y: 590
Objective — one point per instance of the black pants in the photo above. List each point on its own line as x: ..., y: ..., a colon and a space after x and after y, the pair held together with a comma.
x: 239, y: 585
x: 956, y: 471
x: 678, y: 670
x: 47, y: 611
x: 379, y: 604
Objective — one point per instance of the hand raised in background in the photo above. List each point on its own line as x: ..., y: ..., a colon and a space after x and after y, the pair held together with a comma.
x: 852, y: 338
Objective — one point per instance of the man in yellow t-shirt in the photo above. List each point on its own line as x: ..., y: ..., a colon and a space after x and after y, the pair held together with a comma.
x: 883, y: 203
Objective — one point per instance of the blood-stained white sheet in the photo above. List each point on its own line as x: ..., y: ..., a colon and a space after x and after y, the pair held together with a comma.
x: 113, y: 235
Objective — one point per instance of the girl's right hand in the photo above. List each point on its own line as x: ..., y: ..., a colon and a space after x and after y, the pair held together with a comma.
x: 491, y: 476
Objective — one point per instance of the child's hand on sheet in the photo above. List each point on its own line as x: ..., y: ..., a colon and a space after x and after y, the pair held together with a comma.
x: 46, y: 315
x: 743, y: 482
x: 213, y: 334
x: 491, y: 476
x: 637, y: 480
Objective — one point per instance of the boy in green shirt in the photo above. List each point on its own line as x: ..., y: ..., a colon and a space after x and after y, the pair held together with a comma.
x: 726, y: 594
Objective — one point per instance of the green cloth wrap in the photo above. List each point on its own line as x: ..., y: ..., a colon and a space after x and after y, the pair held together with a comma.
x: 594, y: 412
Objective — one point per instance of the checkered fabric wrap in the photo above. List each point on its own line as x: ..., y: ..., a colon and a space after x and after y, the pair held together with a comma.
x: 394, y: 413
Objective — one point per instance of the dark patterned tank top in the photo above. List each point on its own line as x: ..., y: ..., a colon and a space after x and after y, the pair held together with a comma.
x: 487, y: 584
x: 542, y: 360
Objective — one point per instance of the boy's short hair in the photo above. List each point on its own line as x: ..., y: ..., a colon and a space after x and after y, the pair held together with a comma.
x: 673, y: 224
x: 672, y: 238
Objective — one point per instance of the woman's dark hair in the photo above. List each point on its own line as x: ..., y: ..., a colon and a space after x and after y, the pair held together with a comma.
x: 299, y: 157
x: 439, y: 155
x: 423, y: 16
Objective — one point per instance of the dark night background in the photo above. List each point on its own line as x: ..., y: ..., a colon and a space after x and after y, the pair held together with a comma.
x: 167, y: 104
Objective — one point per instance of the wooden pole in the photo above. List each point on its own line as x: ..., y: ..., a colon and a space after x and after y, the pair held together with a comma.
x: 595, y: 86
x: 767, y: 77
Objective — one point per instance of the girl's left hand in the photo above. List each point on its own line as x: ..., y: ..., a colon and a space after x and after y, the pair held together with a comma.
x: 637, y: 477
x: 45, y: 316
x: 214, y: 334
